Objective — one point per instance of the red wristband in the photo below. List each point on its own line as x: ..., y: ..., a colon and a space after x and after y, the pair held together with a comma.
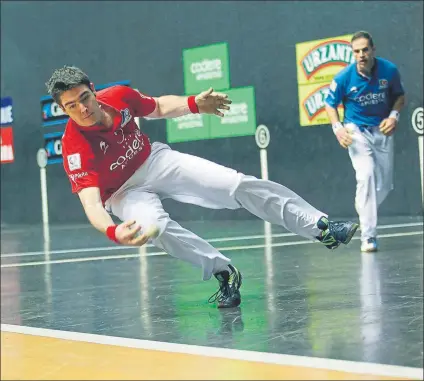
x: 192, y: 104
x: 111, y: 233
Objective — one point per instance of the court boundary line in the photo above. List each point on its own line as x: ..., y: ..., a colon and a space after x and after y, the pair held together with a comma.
x: 217, y: 239
x: 9, y: 228
x: 225, y: 353
x: 159, y: 253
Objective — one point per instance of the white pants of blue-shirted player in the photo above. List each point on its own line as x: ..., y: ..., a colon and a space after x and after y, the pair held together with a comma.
x: 190, y: 179
x: 371, y: 154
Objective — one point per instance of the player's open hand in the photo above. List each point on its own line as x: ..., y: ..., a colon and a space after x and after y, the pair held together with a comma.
x: 128, y: 233
x: 388, y: 126
x: 211, y: 102
x: 344, y: 136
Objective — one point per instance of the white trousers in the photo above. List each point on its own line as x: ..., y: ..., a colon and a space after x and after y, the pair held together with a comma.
x: 371, y: 154
x: 190, y: 179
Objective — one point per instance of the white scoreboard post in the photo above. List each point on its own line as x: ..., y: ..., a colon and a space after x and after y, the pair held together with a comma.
x: 42, y: 163
x: 417, y: 125
x: 262, y: 138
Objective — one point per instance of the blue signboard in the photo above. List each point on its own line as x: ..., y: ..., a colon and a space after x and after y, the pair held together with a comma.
x: 53, y: 147
x: 6, y: 111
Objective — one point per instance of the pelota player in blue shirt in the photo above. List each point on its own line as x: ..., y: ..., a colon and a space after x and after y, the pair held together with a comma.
x: 372, y: 95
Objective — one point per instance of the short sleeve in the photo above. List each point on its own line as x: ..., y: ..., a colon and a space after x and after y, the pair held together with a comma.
x: 396, y: 88
x: 335, y: 93
x: 79, y: 162
x: 142, y: 104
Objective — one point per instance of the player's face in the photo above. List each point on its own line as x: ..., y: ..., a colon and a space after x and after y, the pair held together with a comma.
x: 363, y: 53
x: 81, y: 105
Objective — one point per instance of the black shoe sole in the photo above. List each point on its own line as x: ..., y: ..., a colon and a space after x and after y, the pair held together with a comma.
x: 351, y: 233
x: 330, y: 247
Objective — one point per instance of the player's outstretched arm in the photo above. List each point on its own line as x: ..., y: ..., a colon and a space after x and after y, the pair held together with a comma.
x: 207, y: 102
x: 126, y: 233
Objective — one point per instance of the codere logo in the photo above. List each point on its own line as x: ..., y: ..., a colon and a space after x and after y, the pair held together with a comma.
x: 238, y: 113
x: 207, y: 69
x: 314, y: 102
x: 333, y: 52
x: 189, y: 121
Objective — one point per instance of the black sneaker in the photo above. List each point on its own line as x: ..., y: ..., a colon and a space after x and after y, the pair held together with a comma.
x: 228, y: 295
x: 335, y: 233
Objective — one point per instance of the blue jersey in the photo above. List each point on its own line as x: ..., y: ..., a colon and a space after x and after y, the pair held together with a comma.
x: 367, y: 100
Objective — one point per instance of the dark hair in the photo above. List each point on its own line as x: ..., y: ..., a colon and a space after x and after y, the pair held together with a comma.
x: 64, y: 79
x: 363, y: 34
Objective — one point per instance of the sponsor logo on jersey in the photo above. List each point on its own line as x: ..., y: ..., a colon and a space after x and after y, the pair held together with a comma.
x: 383, y: 83
x: 74, y: 161
x: 75, y: 176
x: 371, y: 99
x: 134, y: 147
x: 126, y: 117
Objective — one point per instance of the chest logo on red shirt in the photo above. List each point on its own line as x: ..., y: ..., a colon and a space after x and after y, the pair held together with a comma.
x: 132, y: 145
x: 120, y: 132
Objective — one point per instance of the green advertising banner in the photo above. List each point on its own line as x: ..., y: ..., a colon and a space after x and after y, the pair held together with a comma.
x: 206, y: 66
x: 240, y: 120
x: 188, y: 127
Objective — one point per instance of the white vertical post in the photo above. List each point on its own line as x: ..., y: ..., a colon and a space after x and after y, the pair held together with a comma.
x: 420, y: 149
x: 264, y: 164
x: 44, y: 204
x: 264, y: 176
x: 47, y: 273
x: 262, y: 139
x: 418, y: 126
x: 269, y: 267
x: 145, y: 317
x: 42, y: 162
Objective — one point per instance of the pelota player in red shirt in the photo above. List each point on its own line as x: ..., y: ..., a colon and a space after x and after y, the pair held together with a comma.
x: 114, y: 169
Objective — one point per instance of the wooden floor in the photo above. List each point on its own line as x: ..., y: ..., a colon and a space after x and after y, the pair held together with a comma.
x: 30, y: 356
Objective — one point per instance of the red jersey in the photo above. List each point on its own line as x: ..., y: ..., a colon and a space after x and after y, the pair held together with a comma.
x: 106, y: 158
